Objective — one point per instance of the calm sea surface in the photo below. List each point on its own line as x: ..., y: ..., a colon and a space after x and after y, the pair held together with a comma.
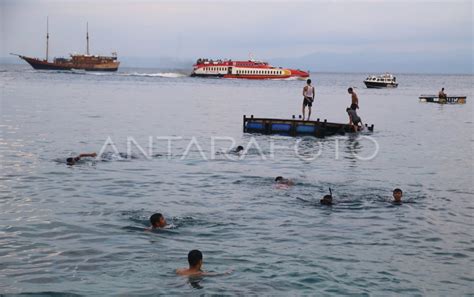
x: 79, y: 229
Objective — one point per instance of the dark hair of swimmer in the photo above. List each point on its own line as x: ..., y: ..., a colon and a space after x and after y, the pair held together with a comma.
x: 327, y: 200
x: 194, y: 258
x: 349, y: 90
x: 308, y: 81
x: 157, y: 220
x: 397, y: 190
x: 239, y: 148
x: 278, y: 178
x: 70, y: 161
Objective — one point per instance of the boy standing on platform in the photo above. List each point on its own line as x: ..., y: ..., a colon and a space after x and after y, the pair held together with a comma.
x: 308, y: 94
x: 355, y: 99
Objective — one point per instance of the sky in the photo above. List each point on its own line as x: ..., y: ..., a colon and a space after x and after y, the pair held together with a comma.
x: 341, y: 36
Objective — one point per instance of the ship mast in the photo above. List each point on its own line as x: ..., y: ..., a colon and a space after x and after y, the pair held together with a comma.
x: 87, y: 37
x: 47, y: 38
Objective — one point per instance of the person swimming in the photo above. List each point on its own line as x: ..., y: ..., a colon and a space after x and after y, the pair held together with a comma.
x: 280, y: 180
x: 238, y: 149
x: 73, y: 160
x: 397, y: 195
x: 157, y: 221
x: 195, y: 264
x: 327, y: 200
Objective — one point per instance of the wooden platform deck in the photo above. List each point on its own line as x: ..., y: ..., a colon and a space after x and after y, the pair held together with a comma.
x: 296, y: 127
x: 450, y: 99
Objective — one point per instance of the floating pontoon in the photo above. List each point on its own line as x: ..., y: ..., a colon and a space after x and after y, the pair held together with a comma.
x: 449, y: 99
x: 296, y: 127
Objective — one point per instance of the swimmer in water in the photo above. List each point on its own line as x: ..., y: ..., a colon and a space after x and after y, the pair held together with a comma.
x: 239, y: 149
x: 397, y: 195
x: 195, y: 264
x: 284, y: 181
x: 73, y: 160
x: 157, y: 221
x: 327, y: 200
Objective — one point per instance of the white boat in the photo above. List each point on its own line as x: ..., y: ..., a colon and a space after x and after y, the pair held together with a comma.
x: 382, y: 81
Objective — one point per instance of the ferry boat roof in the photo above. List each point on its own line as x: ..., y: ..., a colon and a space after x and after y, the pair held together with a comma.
x: 250, y: 62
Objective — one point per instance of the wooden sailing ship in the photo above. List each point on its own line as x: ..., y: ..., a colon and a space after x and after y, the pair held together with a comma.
x: 86, y: 62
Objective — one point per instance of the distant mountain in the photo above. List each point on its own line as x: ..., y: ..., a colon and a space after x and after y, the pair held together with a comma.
x: 157, y: 62
x: 366, y: 62
x: 449, y: 63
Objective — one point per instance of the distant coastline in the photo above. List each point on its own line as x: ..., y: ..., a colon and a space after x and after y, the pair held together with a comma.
x: 186, y: 65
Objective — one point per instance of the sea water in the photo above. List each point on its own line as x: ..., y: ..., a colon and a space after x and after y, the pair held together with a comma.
x: 163, y: 137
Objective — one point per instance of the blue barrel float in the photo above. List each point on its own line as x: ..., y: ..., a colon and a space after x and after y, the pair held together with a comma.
x: 295, y: 127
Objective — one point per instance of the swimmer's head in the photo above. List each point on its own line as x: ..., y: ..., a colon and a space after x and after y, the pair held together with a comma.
x: 308, y: 81
x: 157, y: 220
x: 397, y: 195
x: 70, y: 161
x: 239, y: 149
x: 349, y: 90
x: 279, y: 178
x: 327, y: 200
x: 195, y: 258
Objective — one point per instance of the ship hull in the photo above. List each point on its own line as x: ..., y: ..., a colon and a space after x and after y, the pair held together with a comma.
x: 379, y: 85
x: 206, y: 75
x: 45, y: 65
x: 237, y: 76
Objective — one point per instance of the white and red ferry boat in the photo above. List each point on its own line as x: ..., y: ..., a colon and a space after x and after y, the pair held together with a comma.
x: 250, y: 69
